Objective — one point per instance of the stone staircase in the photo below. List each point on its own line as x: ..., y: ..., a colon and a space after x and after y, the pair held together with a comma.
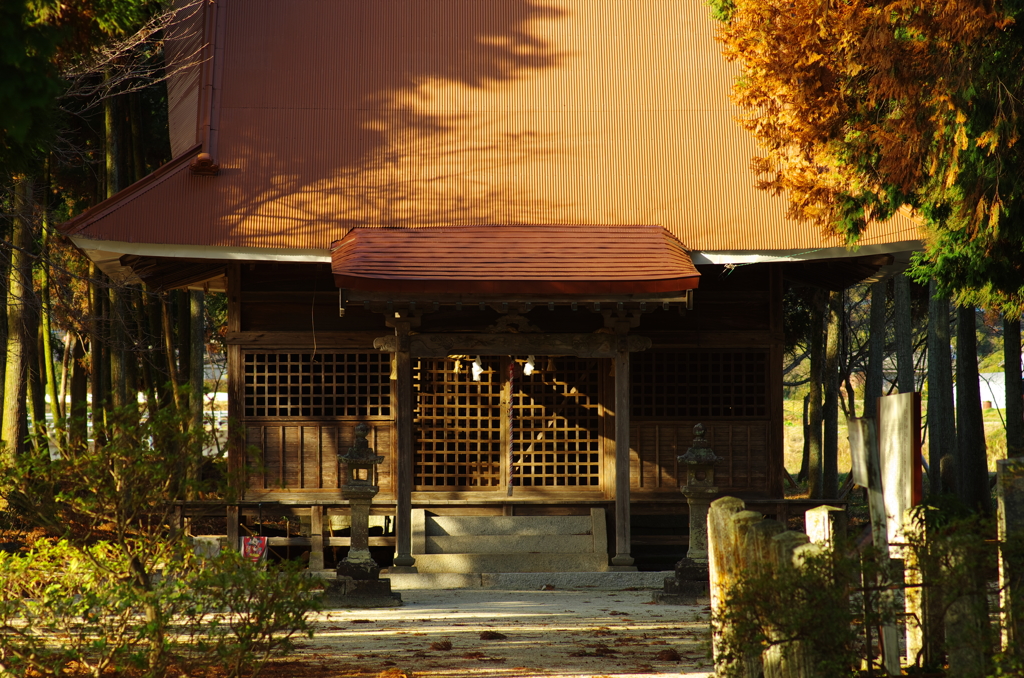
x: 483, y: 544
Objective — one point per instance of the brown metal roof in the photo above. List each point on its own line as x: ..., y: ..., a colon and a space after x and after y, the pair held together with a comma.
x: 328, y: 115
x: 503, y: 259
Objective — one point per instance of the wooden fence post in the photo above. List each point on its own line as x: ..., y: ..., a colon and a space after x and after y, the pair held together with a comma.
x: 1010, y: 501
x: 785, y: 660
x: 923, y: 597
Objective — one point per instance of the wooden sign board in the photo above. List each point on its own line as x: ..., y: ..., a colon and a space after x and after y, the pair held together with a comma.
x: 899, y: 452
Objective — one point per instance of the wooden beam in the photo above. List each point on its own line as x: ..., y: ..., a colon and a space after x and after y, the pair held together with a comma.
x: 404, y: 430
x: 360, y: 341
x: 580, y: 345
x: 622, y: 559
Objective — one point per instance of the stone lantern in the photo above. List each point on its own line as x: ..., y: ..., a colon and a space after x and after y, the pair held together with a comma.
x: 700, y: 491
x: 691, y: 576
x: 358, y: 582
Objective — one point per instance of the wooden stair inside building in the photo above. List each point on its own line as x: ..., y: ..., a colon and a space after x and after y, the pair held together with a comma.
x: 471, y: 544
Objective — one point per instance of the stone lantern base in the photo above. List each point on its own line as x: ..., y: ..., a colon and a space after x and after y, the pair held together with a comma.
x: 359, y: 585
x: 689, y: 585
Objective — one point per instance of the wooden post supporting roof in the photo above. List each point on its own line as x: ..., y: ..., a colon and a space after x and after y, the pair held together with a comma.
x: 622, y: 559
x: 404, y: 561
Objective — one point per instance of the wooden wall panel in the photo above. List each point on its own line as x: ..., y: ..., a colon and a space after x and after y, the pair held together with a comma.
x: 296, y: 457
x: 741, y: 445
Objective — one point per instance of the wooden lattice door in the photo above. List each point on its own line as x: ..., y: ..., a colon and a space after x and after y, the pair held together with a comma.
x: 466, y: 430
x: 556, y: 426
x: 458, y: 427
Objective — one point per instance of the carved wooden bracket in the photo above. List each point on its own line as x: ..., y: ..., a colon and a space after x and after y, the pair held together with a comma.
x: 580, y: 345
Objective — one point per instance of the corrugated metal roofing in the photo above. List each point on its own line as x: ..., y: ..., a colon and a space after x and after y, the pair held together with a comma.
x: 514, y: 259
x: 424, y: 113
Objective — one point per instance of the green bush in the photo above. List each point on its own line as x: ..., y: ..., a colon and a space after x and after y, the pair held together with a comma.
x: 65, y: 608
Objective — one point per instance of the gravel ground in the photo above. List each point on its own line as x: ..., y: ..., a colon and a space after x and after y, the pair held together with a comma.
x: 505, y: 634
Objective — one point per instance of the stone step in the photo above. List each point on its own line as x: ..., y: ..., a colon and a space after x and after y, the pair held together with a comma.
x: 562, y: 543
x: 462, y: 526
x: 527, y: 581
x: 429, y: 563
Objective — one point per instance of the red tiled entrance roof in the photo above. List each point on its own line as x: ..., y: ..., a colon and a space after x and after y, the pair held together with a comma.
x: 499, y: 259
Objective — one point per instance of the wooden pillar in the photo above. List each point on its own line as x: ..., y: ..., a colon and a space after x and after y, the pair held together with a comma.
x: 316, y: 538
x: 622, y: 559
x: 236, y: 395
x: 404, y: 562
x: 233, y: 523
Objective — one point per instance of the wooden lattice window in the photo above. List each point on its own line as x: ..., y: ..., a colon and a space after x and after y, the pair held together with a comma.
x: 678, y: 384
x: 458, y: 428
x: 317, y: 384
x: 556, y: 429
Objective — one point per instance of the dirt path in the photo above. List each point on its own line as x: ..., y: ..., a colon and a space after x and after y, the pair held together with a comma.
x: 559, y: 634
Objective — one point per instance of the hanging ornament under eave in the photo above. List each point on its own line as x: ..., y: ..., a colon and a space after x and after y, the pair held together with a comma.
x: 477, y: 368
x: 530, y: 366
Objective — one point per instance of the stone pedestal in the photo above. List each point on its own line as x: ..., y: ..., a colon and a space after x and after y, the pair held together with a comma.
x: 691, y: 573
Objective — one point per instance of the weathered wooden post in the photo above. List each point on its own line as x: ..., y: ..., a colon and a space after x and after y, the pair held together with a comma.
x: 691, y: 572
x: 785, y: 660
x: 966, y: 620
x: 720, y: 562
x: 1010, y: 503
x: 923, y: 596
x: 864, y: 451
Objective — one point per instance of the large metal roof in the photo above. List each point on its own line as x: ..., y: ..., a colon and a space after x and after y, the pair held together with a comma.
x: 327, y: 115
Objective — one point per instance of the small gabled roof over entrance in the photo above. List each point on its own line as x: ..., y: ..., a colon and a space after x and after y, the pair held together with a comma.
x: 544, y: 259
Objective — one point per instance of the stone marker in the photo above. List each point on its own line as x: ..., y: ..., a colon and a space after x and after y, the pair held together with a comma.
x: 720, y: 563
x: 691, y: 573
x: 358, y: 583
x: 825, y: 525
x: 1010, y: 506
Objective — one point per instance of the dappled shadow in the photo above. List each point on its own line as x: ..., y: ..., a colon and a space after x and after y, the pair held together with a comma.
x: 379, y: 113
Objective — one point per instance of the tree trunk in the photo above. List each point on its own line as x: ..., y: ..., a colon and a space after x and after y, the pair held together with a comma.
x: 97, y: 365
x: 972, y: 458
x: 197, y: 325
x: 876, y: 349
x: 805, y: 458
x: 19, y: 292
x: 1014, y: 396
x: 904, y: 341
x: 197, y: 354
x: 814, y: 467
x: 183, y: 336
x: 52, y: 390
x: 941, y: 419
x: 169, y: 349
x: 830, y: 415
x: 36, y: 379
x: 77, y: 429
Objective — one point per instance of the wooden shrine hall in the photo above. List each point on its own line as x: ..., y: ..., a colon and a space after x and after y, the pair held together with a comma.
x: 519, y: 239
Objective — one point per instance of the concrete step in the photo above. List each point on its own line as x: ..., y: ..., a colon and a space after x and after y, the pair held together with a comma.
x: 464, y: 526
x: 562, y: 543
x: 528, y: 581
x: 511, y: 562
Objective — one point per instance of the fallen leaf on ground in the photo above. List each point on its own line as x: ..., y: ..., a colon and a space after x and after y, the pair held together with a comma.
x: 492, y: 635
x: 441, y: 645
x: 668, y: 655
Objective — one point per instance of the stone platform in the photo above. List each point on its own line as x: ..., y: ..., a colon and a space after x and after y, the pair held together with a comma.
x: 521, y: 581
